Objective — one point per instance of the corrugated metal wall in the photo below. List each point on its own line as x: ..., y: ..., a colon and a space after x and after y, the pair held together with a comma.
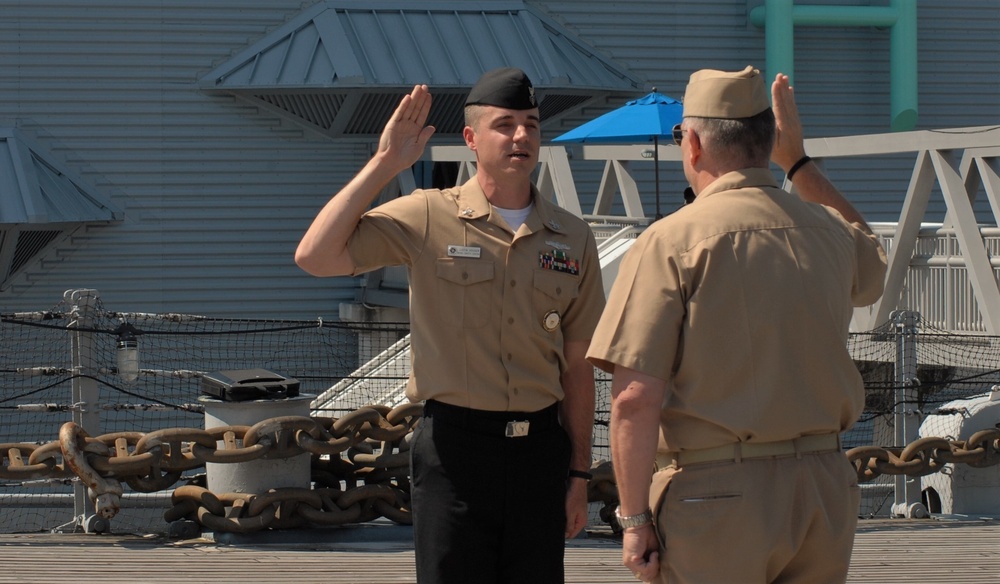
x: 841, y: 76
x: 217, y: 193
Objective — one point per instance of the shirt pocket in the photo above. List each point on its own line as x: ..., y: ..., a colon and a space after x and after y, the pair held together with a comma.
x: 554, y: 291
x: 465, y: 291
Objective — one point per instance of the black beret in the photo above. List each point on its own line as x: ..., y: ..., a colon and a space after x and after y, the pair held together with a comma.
x: 507, y: 87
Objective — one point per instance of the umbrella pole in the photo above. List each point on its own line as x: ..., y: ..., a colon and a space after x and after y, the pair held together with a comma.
x: 656, y: 173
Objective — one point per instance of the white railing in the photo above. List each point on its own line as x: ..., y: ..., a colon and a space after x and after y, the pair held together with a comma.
x: 937, y: 284
x: 947, y: 272
x: 944, y: 271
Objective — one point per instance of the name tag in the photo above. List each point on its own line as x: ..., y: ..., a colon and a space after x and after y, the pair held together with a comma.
x: 463, y: 251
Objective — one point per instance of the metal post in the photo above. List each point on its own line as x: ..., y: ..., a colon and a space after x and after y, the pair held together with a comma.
x: 780, y: 17
x: 906, y: 417
x: 779, y: 43
x: 86, y: 392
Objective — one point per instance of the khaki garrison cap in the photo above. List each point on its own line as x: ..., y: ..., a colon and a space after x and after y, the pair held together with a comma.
x: 720, y: 94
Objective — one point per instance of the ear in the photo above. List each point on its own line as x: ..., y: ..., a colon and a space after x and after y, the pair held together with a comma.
x: 470, y: 137
x: 694, y: 146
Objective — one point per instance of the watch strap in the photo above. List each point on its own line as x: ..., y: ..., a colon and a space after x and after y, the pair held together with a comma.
x: 626, y: 521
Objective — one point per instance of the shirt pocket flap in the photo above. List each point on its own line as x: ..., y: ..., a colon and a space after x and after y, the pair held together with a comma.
x: 464, y: 272
x: 556, y: 284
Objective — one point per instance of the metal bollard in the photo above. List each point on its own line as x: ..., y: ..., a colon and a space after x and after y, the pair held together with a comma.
x: 254, y: 476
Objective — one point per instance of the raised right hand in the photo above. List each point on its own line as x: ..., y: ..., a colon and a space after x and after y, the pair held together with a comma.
x: 788, y: 143
x: 405, y: 135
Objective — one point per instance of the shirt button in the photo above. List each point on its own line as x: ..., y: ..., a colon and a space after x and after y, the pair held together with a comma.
x: 516, y: 391
x: 558, y: 290
x: 510, y: 320
x: 509, y: 356
x: 465, y: 275
x: 513, y: 283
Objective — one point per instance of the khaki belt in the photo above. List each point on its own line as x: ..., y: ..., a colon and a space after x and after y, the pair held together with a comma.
x: 739, y: 451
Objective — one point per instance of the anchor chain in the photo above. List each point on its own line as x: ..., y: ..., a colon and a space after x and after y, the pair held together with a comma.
x: 919, y: 458
x: 926, y: 456
x: 366, y: 450
x: 360, y: 467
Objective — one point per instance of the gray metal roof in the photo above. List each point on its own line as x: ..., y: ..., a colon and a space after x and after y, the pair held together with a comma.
x: 35, y: 188
x: 341, y: 67
x: 40, y: 204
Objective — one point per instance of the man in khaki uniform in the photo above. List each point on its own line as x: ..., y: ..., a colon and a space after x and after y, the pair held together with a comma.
x: 726, y: 331
x: 505, y: 292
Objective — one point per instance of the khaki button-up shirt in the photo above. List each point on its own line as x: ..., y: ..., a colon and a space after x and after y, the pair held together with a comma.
x: 490, y: 309
x: 742, y: 301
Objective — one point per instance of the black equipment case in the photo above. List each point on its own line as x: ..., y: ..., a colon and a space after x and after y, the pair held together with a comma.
x: 248, y: 384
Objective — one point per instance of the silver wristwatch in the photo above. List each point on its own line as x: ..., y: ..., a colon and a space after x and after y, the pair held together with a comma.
x: 626, y: 521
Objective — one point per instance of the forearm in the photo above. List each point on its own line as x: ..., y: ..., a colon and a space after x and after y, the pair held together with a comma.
x: 789, y: 150
x: 635, y: 414
x: 323, y: 249
x: 814, y: 186
x: 577, y: 407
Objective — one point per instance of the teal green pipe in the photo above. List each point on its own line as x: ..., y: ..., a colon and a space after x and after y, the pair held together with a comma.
x: 779, y: 40
x: 903, y: 66
x: 877, y: 16
x: 779, y: 17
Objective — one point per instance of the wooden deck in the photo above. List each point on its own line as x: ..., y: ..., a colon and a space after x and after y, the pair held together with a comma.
x: 886, y: 551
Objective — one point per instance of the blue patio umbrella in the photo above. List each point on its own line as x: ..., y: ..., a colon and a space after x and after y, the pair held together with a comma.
x: 650, y: 117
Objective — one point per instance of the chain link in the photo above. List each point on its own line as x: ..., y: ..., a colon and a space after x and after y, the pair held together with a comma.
x: 360, y: 467
x: 919, y: 458
x: 926, y: 456
x: 375, y: 470
x: 604, y: 488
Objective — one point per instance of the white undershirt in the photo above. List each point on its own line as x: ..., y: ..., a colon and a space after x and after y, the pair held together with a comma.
x: 515, y: 217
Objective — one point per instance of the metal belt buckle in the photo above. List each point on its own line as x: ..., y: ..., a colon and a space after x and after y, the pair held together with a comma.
x: 517, y: 429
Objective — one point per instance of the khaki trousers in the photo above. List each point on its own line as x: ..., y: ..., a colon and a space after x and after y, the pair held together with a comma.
x: 774, y: 520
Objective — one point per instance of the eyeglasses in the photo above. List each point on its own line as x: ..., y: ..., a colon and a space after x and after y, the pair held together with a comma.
x: 678, y: 134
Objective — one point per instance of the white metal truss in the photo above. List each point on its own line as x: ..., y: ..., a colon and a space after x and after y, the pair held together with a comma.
x: 960, y: 162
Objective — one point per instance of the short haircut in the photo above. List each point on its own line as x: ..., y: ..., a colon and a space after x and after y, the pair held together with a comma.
x: 473, y: 113
x: 747, y: 142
